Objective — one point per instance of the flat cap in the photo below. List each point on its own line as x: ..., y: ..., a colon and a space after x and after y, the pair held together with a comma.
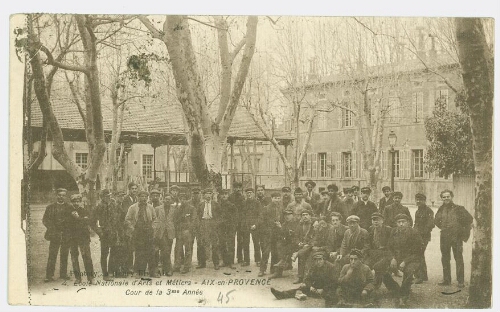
x: 386, y: 188
x: 356, y: 252
x: 141, y: 193
x: 311, y: 182
x: 354, y: 187
x: 105, y: 192
x: 377, y: 215
x: 297, y: 190
x: 275, y: 194
x: 353, y: 218
x: 75, y: 197
x: 306, y: 210
x: 347, y: 190
x: 333, y: 187
x: 61, y: 189
x: 397, y: 194
x: 286, y: 189
x: 402, y: 216
x: 324, y: 192
x: 288, y: 211
x: 318, y: 254
x: 155, y: 191
x: 366, y: 189
x: 420, y: 196
x: 249, y: 189
x: 174, y: 187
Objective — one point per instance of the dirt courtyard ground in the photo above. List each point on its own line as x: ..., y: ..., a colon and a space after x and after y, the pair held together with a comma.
x: 229, y: 293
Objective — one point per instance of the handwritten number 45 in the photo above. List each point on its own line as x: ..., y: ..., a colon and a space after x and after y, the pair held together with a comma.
x: 220, y: 297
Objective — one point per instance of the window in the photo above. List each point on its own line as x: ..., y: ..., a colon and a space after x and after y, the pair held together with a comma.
x: 81, y: 159
x: 322, y: 120
x: 147, y: 166
x: 346, y: 115
x: 288, y: 125
x: 394, y: 109
x: 443, y: 96
x: 347, y: 165
x: 418, y: 163
x: 322, y: 164
x: 417, y: 106
x: 397, y: 164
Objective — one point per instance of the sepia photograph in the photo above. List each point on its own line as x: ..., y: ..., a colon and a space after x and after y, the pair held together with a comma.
x: 252, y: 161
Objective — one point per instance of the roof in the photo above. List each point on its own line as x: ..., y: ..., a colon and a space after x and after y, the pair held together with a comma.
x: 153, y: 120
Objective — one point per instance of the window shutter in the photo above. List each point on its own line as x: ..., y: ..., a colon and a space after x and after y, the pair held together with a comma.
x: 329, y: 165
x: 308, y: 164
x: 354, y: 164
x: 314, y: 165
x: 361, y: 165
x: 338, y: 167
x: 384, y: 164
x: 420, y: 106
x: 406, y: 162
x: 339, y: 117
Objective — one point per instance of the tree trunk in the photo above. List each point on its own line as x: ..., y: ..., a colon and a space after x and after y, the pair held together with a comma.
x: 477, y: 75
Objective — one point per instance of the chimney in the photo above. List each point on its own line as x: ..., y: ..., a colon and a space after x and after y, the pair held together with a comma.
x: 421, y: 43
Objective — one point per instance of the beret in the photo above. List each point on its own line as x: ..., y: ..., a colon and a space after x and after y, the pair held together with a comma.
x: 420, y: 196
x: 353, y: 218
x: 377, y: 215
x: 402, y: 216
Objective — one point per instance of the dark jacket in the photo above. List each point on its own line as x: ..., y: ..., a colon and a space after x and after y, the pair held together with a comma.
x: 55, y: 219
x: 359, y: 240
x: 334, y: 205
x: 454, y: 221
x: 268, y: 217
x: 185, y: 217
x: 361, y: 278
x: 228, y: 214
x: 385, y: 235
x: 323, y: 277
x: 364, y: 212
x: 424, y: 222
x: 216, y: 212
x: 249, y: 214
x: 405, y: 245
x: 79, y: 226
x: 329, y: 238
x: 106, y: 221
x: 384, y: 202
x: 392, y: 211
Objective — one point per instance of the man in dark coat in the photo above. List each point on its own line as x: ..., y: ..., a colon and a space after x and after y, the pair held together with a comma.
x: 286, y: 199
x: 79, y: 225
x: 305, y: 244
x: 185, y: 220
x: 386, y: 200
x: 405, y: 245
x: 334, y: 204
x: 455, y: 223
x: 165, y: 234
x: 260, y: 195
x: 209, y: 216
x: 128, y: 201
x: 424, y: 223
x: 364, y: 208
x: 249, y: 215
x: 237, y: 199
x: 348, y: 201
x: 106, y: 223
x: 299, y: 204
x: 194, y: 202
x: 394, y: 209
x: 328, y: 237
x: 55, y: 220
x: 287, y: 242
x: 268, y: 227
x: 379, y: 256
x: 310, y: 196
x: 355, y: 237
x: 319, y: 282
x: 227, y: 229
x: 324, y: 197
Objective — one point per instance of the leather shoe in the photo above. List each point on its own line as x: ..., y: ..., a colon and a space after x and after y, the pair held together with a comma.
x: 201, y: 266
x: 444, y: 283
x: 48, y: 279
x: 278, y: 294
x: 461, y: 285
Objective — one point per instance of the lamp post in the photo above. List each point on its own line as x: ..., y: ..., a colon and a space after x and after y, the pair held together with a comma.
x: 392, y: 142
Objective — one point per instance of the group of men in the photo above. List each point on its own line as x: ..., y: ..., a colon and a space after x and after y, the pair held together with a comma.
x: 345, y: 247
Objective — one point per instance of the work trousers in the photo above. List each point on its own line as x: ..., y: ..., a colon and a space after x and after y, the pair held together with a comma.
x: 165, y: 246
x: 244, y: 245
x: 449, y: 243
x: 226, y: 242
x: 144, y: 251
x: 269, y: 248
x: 256, y: 239
x: 184, y: 249
x: 84, y: 247
x: 108, y: 265
x: 56, y: 246
x: 422, y: 272
x: 208, y: 241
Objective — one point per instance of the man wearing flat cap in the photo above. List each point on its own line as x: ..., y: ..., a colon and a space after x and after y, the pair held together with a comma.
x: 165, y: 232
x: 355, y: 237
x: 287, y: 242
x: 106, y: 224
x: 185, y: 218
x: 268, y: 227
x: 364, y: 208
x: 355, y: 282
x: 249, y: 215
x: 139, y: 223
x: 194, y: 202
x: 405, y: 245
x: 298, y: 204
x: 55, y: 219
x: 305, y: 244
x: 329, y: 235
x: 129, y: 200
x: 319, y: 282
x: 237, y: 199
x: 260, y: 195
x: 79, y: 225
x: 208, y: 214
x: 424, y: 223
x: 394, y: 209
x: 227, y: 229
x: 310, y: 196
x: 154, y: 197
x: 379, y: 256
x: 286, y: 198
x: 386, y: 200
x: 348, y: 201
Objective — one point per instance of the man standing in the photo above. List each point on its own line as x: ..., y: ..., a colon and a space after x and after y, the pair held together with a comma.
x: 323, y: 199
x: 237, y: 199
x: 208, y: 215
x: 227, y: 229
x: 249, y: 217
x: 55, y: 220
x: 349, y: 200
x: 194, y: 202
x: 105, y: 223
x: 185, y: 219
x: 364, y: 208
x: 154, y: 197
x: 268, y: 226
x: 334, y: 204
x: 391, y: 211
x: 355, y: 191
x: 299, y: 204
x: 305, y: 244
x: 287, y: 242
x: 286, y: 199
x: 424, y: 223
x: 311, y: 197
x: 320, y: 282
x: 165, y: 234
x: 455, y: 224
x: 139, y: 224
x: 81, y: 239
x: 128, y: 201
x: 356, y: 281
x: 386, y: 200
x: 261, y: 196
